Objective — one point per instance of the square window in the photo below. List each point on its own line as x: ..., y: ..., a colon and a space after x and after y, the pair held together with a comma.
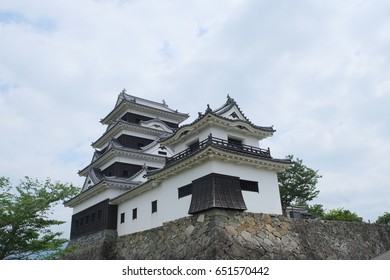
x: 185, y: 190
x: 134, y: 213
x: 249, y: 186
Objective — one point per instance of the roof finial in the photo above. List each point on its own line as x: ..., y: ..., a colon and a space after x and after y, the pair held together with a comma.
x: 164, y: 103
x: 208, y: 110
x: 229, y: 99
x: 123, y: 91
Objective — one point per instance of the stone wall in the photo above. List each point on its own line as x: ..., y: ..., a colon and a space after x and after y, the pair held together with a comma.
x: 226, y: 234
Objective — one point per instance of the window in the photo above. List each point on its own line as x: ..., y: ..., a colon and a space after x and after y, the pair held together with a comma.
x: 234, y: 141
x: 194, y: 145
x: 184, y: 191
x: 77, y: 223
x: 122, y: 218
x: 162, y: 153
x: 99, y: 214
x: 125, y: 173
x: 81, y: 221
x: 234, y: 115
x: 249, y: 186
x: 87, y: 219
x: 92, y: 217
x: 154, y: 206
x: 134, y: 213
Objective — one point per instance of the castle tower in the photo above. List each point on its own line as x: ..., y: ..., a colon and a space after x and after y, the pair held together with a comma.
x: 123, y: 155
x: 217, y: 164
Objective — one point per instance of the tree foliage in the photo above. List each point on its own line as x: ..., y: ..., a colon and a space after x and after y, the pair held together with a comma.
x: 316, y: 211
x: 341, y: 214
x: 384, y: 219
x: 25, y: 225
x: 297, y: 184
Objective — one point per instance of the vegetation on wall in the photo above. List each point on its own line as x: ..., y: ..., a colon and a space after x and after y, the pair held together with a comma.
x: 341, y: 214
x: 384, y: 219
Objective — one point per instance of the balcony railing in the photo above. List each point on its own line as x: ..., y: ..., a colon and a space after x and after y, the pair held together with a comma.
x: 220, y: 143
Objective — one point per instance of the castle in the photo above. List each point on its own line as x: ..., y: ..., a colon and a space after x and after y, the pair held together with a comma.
x: 148, y: 169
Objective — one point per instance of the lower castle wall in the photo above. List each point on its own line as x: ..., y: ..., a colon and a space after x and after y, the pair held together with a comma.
x: 226, y: 234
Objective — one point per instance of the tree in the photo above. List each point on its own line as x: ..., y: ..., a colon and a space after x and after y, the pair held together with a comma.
x: 297, y: 184
x: 341, y: 214
x: 25, y: 226
x: 316, y: 211
x: 384, y: 219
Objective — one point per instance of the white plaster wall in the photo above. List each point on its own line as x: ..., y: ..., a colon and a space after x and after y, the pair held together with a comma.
x: 170, y: 207
x: 108, y: 193
x: 169, y: 188
x: 268, y: 198
x: 145, y: 218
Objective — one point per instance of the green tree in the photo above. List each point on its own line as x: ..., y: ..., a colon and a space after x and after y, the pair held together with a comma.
x: 297, y: 184
x: 316, y: 211
x: 25, y: 226
x: 341, y: 214
x: 384, y: 219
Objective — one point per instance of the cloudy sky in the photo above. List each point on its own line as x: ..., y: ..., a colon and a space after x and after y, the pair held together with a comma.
x: 316, y: 70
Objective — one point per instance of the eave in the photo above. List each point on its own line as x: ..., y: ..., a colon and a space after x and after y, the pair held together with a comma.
x: 135, y: 191
x: 127, y: 152
x: 123, y: 126
x: 93, y: 191
x: 215, y: 153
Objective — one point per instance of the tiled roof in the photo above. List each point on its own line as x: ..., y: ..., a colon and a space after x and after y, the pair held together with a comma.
x: 157, y: 105
x: 125, y: 99
x: 114, y: 145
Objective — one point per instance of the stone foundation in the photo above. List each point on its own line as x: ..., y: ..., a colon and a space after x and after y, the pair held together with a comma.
x: 228, y: 234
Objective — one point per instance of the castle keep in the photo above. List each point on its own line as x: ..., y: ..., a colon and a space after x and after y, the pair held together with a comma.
x: 148, y: 169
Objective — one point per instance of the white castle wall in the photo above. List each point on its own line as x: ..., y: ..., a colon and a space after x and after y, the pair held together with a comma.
x: 170, y: 207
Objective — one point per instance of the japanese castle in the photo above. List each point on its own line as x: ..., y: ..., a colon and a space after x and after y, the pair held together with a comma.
x: 148, y: 169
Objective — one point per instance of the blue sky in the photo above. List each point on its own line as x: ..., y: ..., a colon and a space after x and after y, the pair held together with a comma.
x: 316, y: 70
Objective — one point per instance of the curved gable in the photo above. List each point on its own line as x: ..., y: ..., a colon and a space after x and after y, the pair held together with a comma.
x: 156, y: 124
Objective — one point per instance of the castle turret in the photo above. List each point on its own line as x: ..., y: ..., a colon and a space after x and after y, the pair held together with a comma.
x: 123, y: 155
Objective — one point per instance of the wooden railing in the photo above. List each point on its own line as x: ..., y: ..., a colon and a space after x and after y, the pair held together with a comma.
x: 221, y: 143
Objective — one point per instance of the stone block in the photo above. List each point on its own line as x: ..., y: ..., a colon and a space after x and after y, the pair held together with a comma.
x: 231, y: 230
x: 200, y: 218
